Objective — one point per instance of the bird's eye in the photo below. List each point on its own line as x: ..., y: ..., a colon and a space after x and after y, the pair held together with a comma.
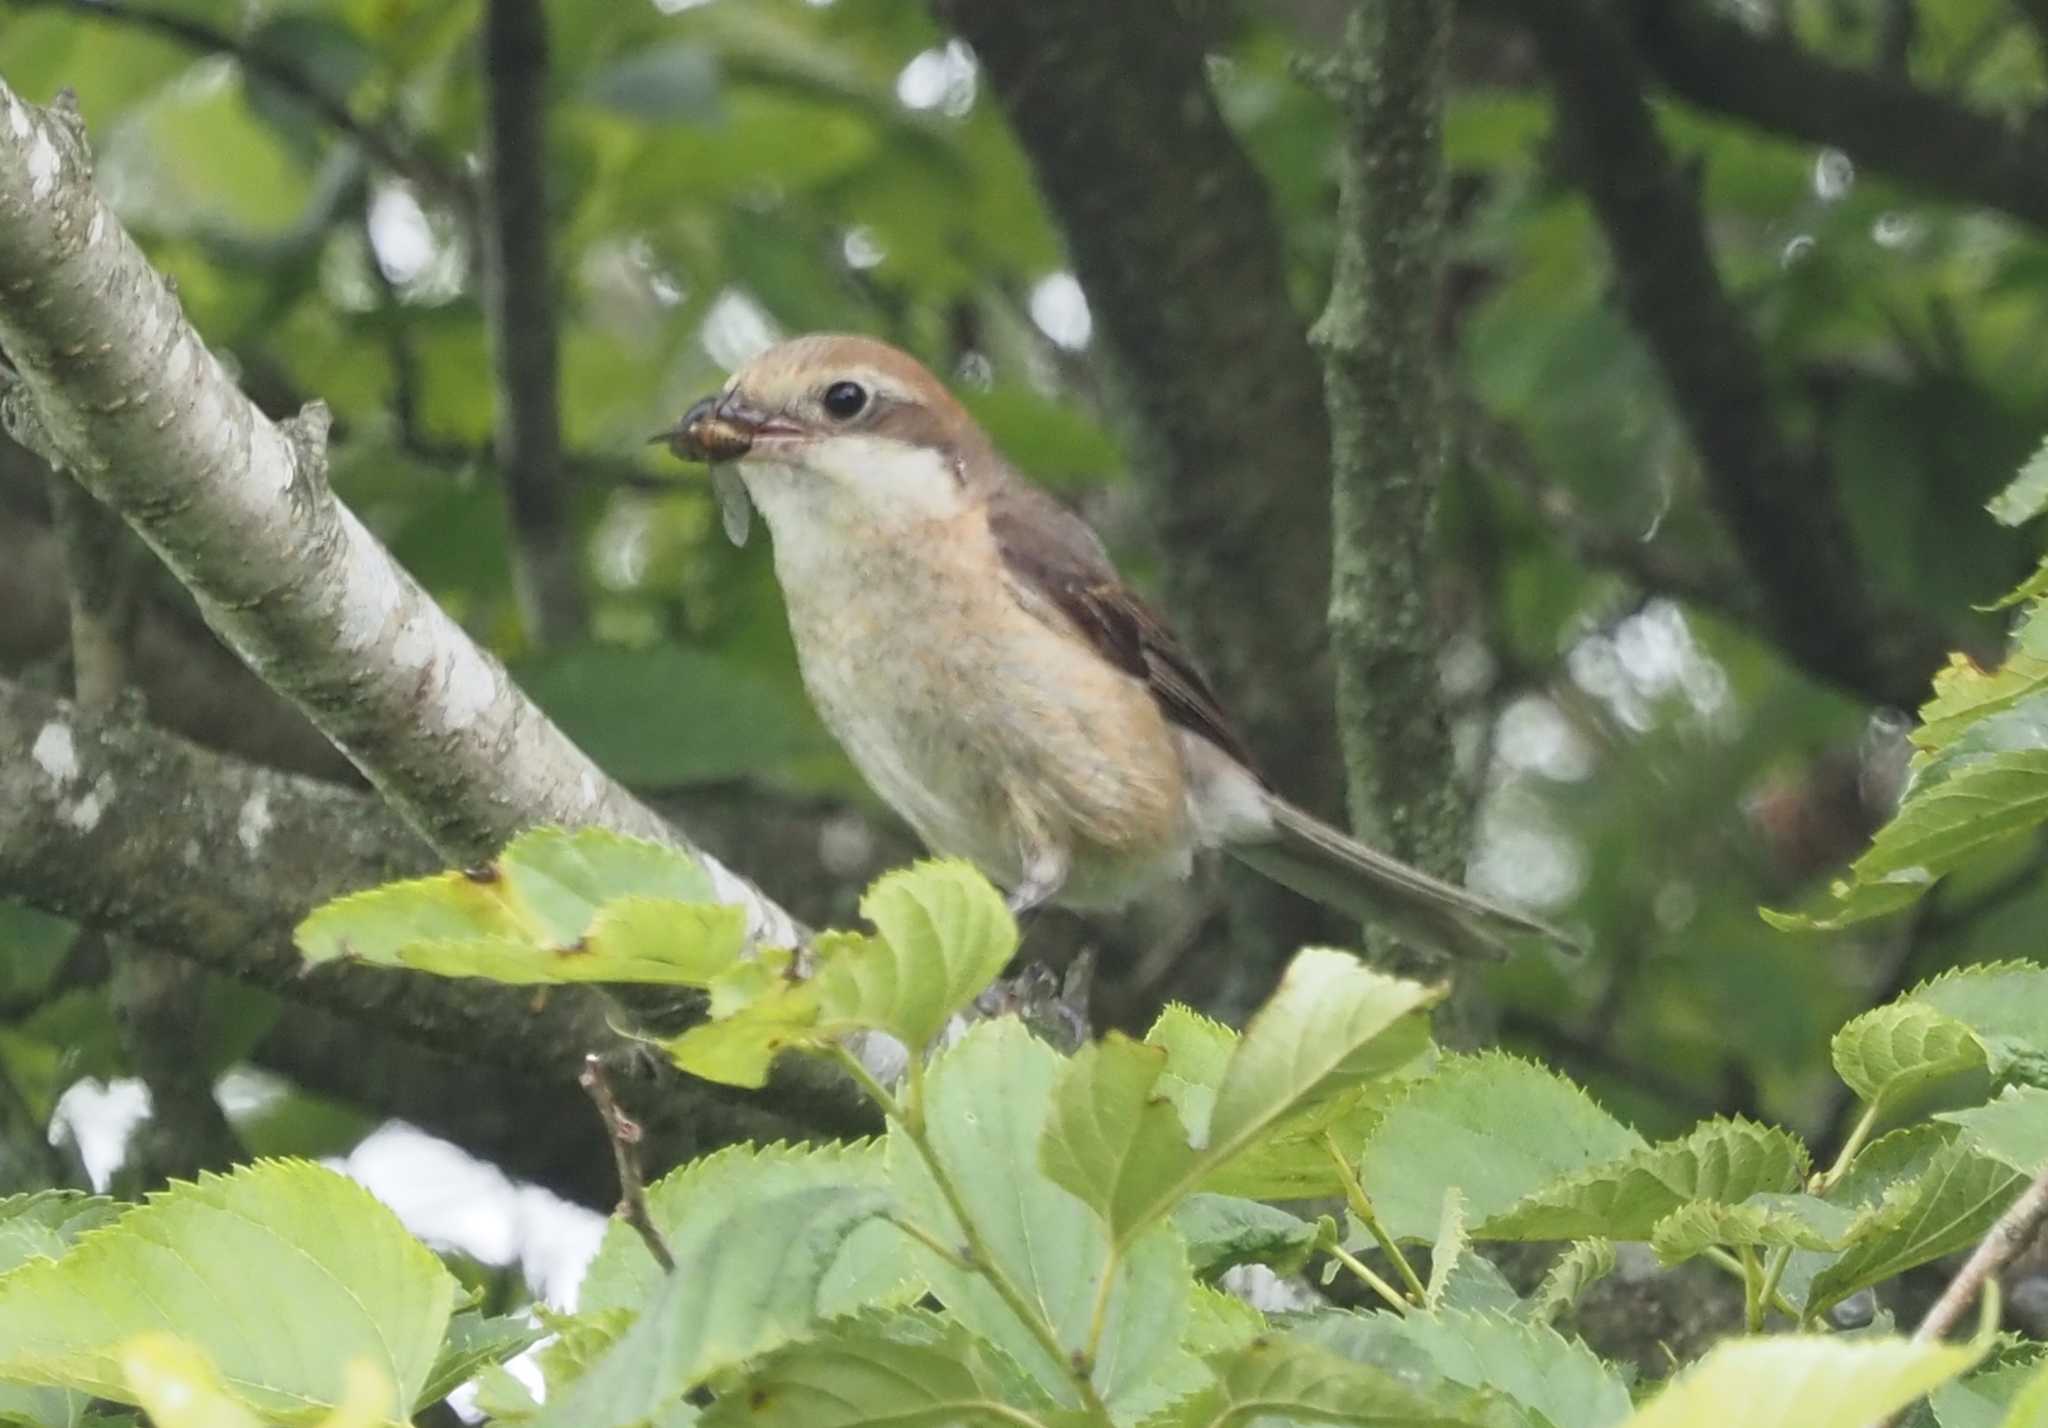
x: 844, y: 400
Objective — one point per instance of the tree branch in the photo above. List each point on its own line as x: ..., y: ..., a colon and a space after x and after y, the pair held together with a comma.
x: 1930, y: 141
x: 109, y: 824
x: 519, y: 303
x: 2014, y: 1231
x: 1172, y: 236
x: 119, y: 390
x: 396, y: 152
x: 1779, y: 505
x: 1383, y: 383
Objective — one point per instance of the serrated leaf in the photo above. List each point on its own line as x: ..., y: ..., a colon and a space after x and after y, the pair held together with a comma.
x: 1926, y: 1194
x: 2026, y: 495
x: 1993, y: 1397
x: 1802, y: 1381
x: 1585, y: 1264
x: 1118, y: 1141
x: 1991, y: 802
x: 1725, y: 1161
x: 1495, y: 1127
x: 909, y: 1369
x: 1453, y: 1242
x: 943, y: 934
x: 473, y: 1342
x: 2012, y: 1129
x: 1288, y: 1377
x: 987, y: 1102
x: 711, y: 1197
x: 1549, y: 1379
x: 751, y: 1285
x: 1219, y: 1322
x: 528, y: 916
x: 1226, y: 1230
x: 280, y: 1273
x: 1910, y: 1054
x: 1763, y: 1221
x: 46, y: 1222
x: 2005, y: 1003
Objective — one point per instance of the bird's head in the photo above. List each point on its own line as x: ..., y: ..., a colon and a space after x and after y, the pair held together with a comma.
x: 830, y: 430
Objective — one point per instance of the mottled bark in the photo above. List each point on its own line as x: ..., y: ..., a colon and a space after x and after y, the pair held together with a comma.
x: 1388, y: 420
x: 118, y: 390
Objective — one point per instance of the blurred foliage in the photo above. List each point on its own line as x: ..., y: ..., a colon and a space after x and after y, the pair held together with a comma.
x: 727, y: 170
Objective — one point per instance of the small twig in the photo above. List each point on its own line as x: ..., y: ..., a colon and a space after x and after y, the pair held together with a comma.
x: 2013, y: 1232
x: 624, y: 1133
x: 1361, y: 1206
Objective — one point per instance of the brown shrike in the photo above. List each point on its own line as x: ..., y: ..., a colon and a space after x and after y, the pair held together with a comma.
x: 970, y: 645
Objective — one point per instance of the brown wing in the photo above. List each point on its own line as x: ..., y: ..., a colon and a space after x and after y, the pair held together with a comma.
x: 1052, y: 551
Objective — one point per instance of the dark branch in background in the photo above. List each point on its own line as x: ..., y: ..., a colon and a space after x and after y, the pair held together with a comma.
x: 519, y: 307
x: 122, y: 827
x: 1383, y: 382
x: 397, y: 152
x: 1935, y: 143
x: 2014, y: 1231
x: 158, y: 1001
x: 1780, y: 505
x: 1173, y: 238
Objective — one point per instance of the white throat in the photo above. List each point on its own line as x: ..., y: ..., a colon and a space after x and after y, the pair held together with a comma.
x: 834, y: 495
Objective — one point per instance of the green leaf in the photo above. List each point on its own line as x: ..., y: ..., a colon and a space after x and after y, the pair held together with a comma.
x: 751, y: 1284
x: 669, y: 83
x: 475, y: 1341
x: 1118, y: 1142
x: 1293, y: 1378
x: 2005, y: 1003
x: 46, y: 1222
x: 1226, y: 1230
x: 1994, y: 1397
x: 1578, y: 1269
x: 1802, y: 1381
x: 1453, y: 1243
x: 988, y: 1099
x: 1763, y: 1221
x: 1725, y: 1161
x: 2026, y: 496
x: 1926, y: 1194
x: 1493, y: 1126
x: 2012, y: 1129
x: 533, y: 915
x: 944, y: 935
x: 280, y: 1273
x: 1991, y: 802
x: 709, y: 1198
x: 1909, y: 1054
x: 907, y: 1369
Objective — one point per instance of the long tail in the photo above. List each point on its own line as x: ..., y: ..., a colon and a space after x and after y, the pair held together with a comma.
x: 1315, y: 860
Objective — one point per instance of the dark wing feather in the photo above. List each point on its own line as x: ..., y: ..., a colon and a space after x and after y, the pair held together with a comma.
x: 1052, y: 551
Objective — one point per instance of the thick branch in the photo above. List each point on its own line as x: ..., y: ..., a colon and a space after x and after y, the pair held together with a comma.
x: 119, y: 390
x: 1780, y: 505
x: 1388, y: 424
x: 1930, y: 141
x: 123, y: 827
x: 520, y: 308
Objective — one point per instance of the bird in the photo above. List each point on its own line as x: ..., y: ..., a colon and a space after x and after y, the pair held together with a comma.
x: 968, y: 641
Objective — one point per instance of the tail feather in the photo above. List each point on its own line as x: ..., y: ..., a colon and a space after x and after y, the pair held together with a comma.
x: 1315, y: 860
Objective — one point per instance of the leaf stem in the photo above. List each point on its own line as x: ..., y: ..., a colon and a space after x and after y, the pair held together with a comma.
x: 1774, y: 1271
x: 1850, y: 1148
x: 1361, y: 1206
x: 979, y: 1257
x: 1373, y: 1282
x: 1752, y: 1289
x: 1716, y: 1255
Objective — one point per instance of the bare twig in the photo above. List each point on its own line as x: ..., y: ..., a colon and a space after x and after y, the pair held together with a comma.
x: 520, y: 320
x: 400, y: 153
x: 624, y: 1133
x: 2014, y: 1231
x: 101, y: 562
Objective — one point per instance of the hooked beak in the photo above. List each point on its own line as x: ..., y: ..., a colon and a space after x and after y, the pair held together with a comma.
x: 721, y: 428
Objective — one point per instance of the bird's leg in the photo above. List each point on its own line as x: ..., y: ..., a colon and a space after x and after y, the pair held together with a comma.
x: 1045, y: 872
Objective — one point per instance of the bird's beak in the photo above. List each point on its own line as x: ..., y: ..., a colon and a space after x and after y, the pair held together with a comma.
x: 720, y: 428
